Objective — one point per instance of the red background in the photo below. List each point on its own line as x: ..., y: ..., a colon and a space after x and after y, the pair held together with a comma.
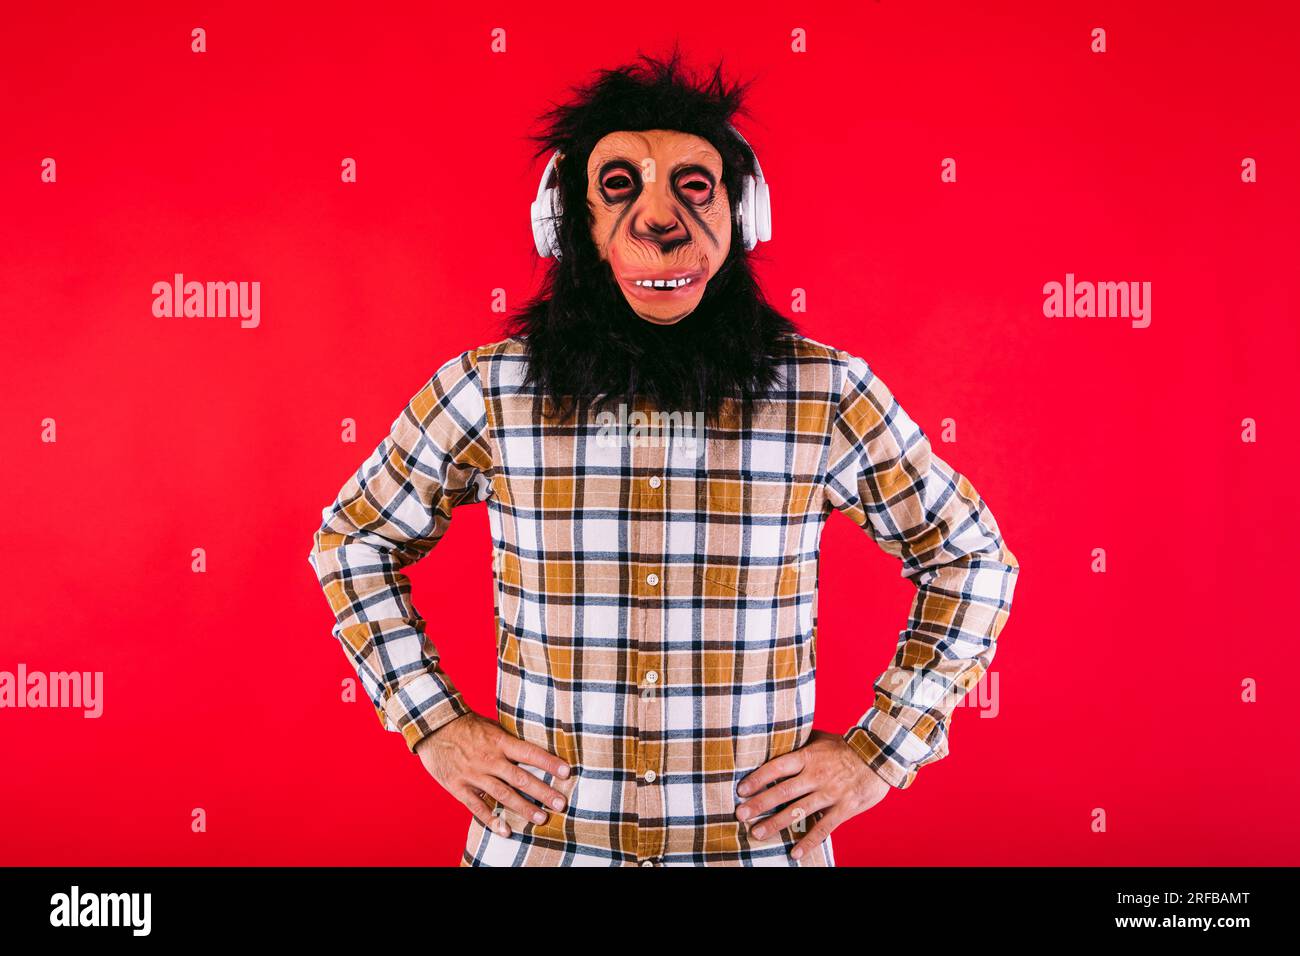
x: 1118, y: 691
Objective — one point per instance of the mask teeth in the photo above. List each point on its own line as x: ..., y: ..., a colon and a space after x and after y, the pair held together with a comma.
x: 663, y: 283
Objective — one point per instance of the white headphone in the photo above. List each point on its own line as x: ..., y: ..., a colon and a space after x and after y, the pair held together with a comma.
x: 753, y: 212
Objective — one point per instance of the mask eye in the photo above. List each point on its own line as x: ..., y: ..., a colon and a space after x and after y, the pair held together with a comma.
x: 618, y: 183
x: 695, y: 187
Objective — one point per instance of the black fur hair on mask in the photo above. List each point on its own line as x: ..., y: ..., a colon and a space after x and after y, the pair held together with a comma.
x: 586, y: 348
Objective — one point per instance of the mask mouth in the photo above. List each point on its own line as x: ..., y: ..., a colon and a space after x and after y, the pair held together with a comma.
x: 669, y: 283
x: 663, y: 284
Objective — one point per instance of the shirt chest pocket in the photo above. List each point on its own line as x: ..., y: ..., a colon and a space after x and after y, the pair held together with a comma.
x: 757, y: 608
x: 724, y: 584
x: 756, y: 584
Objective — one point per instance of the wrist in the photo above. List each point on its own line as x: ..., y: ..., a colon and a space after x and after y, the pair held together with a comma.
x: 419, y: 732
x: 899, y: 776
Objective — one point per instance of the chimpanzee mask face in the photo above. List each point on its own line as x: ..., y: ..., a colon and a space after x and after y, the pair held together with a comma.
x: 661, y: 218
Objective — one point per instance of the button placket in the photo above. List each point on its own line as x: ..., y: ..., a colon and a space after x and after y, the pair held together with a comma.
x: 649, y: 539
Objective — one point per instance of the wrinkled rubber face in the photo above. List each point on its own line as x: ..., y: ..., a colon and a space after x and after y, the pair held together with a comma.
x: 661, y: 218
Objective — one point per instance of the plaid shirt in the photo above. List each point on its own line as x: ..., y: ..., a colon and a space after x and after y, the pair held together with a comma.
x: 656, y: 595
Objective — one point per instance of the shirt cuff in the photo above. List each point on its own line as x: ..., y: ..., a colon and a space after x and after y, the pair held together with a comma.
x: 889, y: 748
x: 422, y: 705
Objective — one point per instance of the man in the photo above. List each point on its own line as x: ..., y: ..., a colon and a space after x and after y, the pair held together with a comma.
x: 656, y: 582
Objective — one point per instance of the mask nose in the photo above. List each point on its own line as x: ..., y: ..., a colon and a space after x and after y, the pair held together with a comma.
x: 656, y: 219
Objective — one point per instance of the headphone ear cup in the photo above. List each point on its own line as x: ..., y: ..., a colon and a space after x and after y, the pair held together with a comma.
x: 546, y: 209
x: 553, y: 224
x: 553, y: 232
x: 748, y: 213
x: 763, y: 213
x: 545, y: 215
x: 540, y: 239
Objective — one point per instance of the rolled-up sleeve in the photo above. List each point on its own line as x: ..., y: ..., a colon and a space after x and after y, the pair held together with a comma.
x: 883, y: 474
x: 388, y: 515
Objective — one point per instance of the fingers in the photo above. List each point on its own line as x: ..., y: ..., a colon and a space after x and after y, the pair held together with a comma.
x: 789, y: 789
x: 797, y: 817
x: 786, y: 765
x: 819, y: 831
x: 525, y: 782
x: 510, y: 798
x: 473, y: 799
x: 521, y: 751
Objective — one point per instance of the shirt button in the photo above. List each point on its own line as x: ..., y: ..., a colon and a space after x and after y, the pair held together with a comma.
x: 654, y: 481
x: 651, y: 677
x: 652, y: 579
x: 650, y: 776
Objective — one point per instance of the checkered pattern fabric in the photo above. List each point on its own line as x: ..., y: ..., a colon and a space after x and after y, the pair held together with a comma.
x: 656, y: 594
